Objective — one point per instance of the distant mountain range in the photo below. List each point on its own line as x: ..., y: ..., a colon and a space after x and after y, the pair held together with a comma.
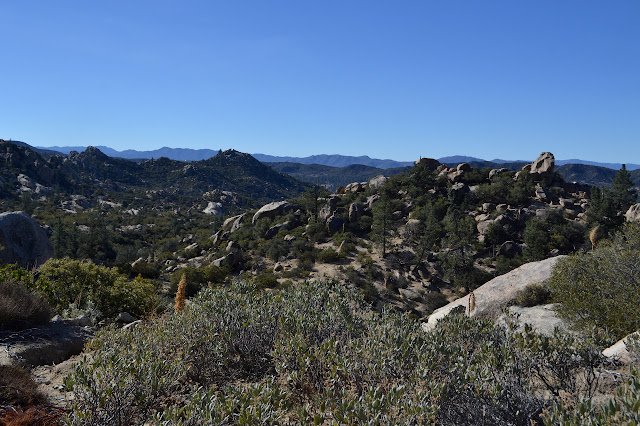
x: 243, y: 177
x: 335, y: 160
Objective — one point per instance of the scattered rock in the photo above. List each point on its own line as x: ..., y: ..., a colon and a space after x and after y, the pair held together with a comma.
x: 329, y: 208
x: 233, y: 223
x: 372, y: 199
x: 124, y: 318
x: 488, y: 207
x: 233, y: 247
x: 459, y: 188
x: 541, y: 194
x: 495, y: 172
x: 278, y: 267
x: 273, y: 231
x: 24, y: 241
x: 566, y: 203
x: 509, y: 249
x: 356, y: 187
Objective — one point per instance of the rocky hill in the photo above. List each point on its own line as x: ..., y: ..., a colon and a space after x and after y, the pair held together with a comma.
x: 26, y: 171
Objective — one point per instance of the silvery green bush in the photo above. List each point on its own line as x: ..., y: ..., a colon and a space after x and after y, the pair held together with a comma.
x: 317, y: 353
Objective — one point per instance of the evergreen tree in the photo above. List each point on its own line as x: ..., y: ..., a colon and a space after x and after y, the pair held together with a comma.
x: 382, y: 220
x: 428, y: 233
x: 310, y: 199
x: 623, y: 194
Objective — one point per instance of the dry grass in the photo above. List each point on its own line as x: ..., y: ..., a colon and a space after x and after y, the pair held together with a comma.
x: 20, y: 307
x: 32, y: 416
x: 21, y: 403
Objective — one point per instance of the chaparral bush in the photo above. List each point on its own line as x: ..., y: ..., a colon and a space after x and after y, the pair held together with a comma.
x: 65, y: 282
x: 601, y: 288
x: 316, y: 353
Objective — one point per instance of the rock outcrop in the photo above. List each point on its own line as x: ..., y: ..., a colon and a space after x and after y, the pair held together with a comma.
x: 335, y: 224
x: 429, y: 163
x: 541, y: 318
x: 542, y: 166
x: 620, y: 351
x: 496, y: 294
x: 377, y: 182
x: 633, y: 214
x: 24, y: 241
x: 52, y: 343
x: 214, y: 208
x: 273, y: 210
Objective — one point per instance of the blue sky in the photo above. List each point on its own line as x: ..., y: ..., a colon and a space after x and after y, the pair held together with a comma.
x: 400, y: 80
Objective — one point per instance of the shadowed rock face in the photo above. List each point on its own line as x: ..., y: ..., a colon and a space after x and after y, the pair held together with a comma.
x: 24, y: 241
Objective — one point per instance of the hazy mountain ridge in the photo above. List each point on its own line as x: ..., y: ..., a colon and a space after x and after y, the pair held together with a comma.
x: 334, y: 160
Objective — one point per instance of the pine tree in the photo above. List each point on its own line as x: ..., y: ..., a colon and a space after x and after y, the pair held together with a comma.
x: 623, y: 194
x: 382, y: 220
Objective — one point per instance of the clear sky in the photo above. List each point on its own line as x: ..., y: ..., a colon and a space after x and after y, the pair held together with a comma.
x: 394, y: 79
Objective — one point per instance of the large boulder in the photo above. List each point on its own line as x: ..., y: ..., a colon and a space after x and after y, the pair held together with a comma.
x: 273, y: 210
x: 48, y: 344
x: 356, y: 187
x: 24, y: 241
x: 355, y: 212
x: 335, y: 224
x: 329, y: 208
x: 377, y: 182
x: 543, y: 165
x: 541, y: 318
x: 429, y: 163
x: 273, y: 231
x: 214, y: 208
x: 493, y: 296
x: 633, y: 214
x: 231, y: 222
x: 620, y: 351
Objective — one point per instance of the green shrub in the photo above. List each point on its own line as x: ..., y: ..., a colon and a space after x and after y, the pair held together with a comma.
x: 434, y: 300
x: 20, y: 307
x: 623, y: 409
x: 328, y: 255
x: 265, y: 280
x: 313, y: 354
x: 601, y: 288
x: 66, y: 281
x: 197, y: 278
x: 533, y: 295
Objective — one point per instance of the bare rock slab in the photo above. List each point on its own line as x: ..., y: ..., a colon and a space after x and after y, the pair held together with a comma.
x: 493, y: 296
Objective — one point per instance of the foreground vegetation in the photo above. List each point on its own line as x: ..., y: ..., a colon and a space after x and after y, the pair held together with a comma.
x: 316, y: 353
